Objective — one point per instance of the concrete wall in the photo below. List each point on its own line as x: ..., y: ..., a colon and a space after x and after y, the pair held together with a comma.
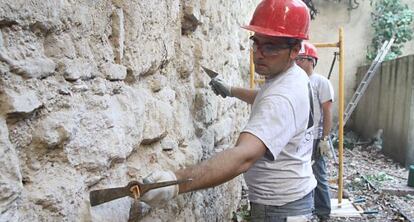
x: 94, y: 94
x: 357, y: 36
x: 388, y: 104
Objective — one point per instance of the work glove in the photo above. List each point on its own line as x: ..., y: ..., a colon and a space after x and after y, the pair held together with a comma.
x: 324, y: 148
x: 160, y: 195
x: 220, y: 88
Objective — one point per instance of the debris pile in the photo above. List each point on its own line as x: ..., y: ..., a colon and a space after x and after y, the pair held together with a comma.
x: 380, y: 180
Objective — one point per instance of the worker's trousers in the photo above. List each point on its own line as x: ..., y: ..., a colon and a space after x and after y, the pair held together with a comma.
x: 295, y: 211
x: 321, y: 192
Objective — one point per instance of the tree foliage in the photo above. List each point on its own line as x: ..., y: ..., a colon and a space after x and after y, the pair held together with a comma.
x: 390, y: 18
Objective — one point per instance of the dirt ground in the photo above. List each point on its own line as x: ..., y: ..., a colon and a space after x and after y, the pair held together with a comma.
x: 381, y: 181
x: 369, y: 175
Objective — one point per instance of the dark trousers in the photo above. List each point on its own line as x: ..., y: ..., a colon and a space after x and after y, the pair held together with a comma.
x: 321, y: 192
x: 267, y: 213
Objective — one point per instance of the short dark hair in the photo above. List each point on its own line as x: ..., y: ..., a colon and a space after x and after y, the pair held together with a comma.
x: 292, y: 42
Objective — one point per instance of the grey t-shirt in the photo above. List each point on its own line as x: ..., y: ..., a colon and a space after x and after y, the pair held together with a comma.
x: 322, y: 92
x: 279, y: 118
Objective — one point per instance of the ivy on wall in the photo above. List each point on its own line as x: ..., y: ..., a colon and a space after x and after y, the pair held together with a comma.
x: 390, y: 17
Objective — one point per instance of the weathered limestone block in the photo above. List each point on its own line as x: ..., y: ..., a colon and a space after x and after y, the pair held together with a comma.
x: 99, y: 86
x: 19, y: 101
x: 118, y: 3
x: 116, y: 210
x: 114, y: 72
x: 84, y: 50
x: 144, y: 55
x: 24, y: 54
x: 79, y: 86
x: 52, y: 132
x: 222, y: 129
x: 77, y: 69
x: 118, y: 34
x: 1, y: 40
x: 42, y: 27
x: 25, y: 14
x: 59, y: 46
x: 157, y: 82
x: 183, y: 123
x: 167, y: 95
x: 207, y: 142
x: 169, y: 144
x: 108, y: 131
x: 29, y: 67
x: 158, y: 120
x: 187, y: 57
x: 57, y: 192
x: 10, y: 177
x: 205, y: 106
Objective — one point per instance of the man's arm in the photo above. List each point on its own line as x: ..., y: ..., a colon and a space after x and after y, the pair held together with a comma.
x: 247, y: 95
x: 224, y: 166
x: 327, y: 118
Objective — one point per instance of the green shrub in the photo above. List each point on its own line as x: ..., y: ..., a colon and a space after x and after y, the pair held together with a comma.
x: 390, y: 17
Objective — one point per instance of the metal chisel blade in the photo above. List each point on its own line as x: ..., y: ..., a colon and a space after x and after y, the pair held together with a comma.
x: 210, y: 72
x: 101, y: 196
x: 97, y: 197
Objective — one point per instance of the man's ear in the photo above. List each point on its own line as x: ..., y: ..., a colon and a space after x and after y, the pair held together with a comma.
x: 295, y: 51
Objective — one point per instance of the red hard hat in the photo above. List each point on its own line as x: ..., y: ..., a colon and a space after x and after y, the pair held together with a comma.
x: 308, y: 49
x: 281, y: 18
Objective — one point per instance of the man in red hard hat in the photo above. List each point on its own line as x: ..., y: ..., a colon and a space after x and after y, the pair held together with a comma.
x: 323, y: 97
x: 275, y: 147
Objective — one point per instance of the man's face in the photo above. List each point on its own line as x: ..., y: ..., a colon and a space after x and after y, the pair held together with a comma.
x: 272, y: 55
x: 306, y: 63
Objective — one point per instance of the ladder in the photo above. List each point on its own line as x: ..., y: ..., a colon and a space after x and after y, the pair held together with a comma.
x: 363, y: 85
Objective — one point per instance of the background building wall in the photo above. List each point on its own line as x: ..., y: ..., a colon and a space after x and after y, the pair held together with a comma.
x: 357, y: 37
x: 388, y: 105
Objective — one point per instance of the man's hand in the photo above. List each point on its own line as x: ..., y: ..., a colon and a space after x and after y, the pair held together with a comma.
x: 220, y: 88
x: 157, y: 196
x: 324, y: 148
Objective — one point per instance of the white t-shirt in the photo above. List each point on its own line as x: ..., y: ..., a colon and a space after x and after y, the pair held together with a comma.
x: 279, y: 118
x: 322, y: 93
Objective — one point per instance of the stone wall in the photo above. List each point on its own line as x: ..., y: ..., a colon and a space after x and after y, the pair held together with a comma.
x: 97, y: 93
x: 94, y: 94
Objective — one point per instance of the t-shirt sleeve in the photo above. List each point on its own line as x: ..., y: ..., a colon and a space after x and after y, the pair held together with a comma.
x: 326, y: 92
x: 272, y: 121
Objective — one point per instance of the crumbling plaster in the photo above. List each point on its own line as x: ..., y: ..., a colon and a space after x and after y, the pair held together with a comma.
x: 97, y: 93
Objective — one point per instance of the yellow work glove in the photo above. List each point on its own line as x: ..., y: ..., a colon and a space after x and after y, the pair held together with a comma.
x: 324, y: 148
x: 160, y: 195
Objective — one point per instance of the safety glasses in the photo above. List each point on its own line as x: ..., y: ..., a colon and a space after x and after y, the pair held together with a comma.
x: 267, y: 49
x: 302, y: 59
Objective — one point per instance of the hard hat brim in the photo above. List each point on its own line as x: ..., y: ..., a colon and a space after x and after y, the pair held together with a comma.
x: 272, y: 33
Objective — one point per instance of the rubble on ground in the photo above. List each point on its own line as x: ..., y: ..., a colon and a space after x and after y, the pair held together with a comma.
x: 383, y: 182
